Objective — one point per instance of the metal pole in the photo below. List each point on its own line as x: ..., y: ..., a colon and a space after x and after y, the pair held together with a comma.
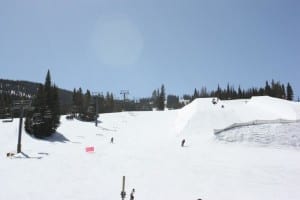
x: 21, y: 105
x: 20, y: 131
x: 123, y: 193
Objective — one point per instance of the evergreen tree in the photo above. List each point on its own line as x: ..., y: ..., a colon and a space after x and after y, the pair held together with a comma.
x: 48, y: 88
x: 228, y: 92
x: 289, y: 92
x: 162, y: 98
x: 283, y: 94
x: 219, y: 91
x: 155, y: 98
x: 261, y: 91
x: 55, y: 108
x: 240, y: 95
x: 40, y: 99
x: 86, y: 100
x: 79, y: 101
x: 196, y: 94
x: 74, y: 109
x: 112, y: 102
x: 44, y: 119
x: 267, y: 89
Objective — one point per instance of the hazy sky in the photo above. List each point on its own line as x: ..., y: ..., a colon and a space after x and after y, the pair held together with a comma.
x: 110, y: 45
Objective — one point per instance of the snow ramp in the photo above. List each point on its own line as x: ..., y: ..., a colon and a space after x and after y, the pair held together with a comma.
x: 203, y: 117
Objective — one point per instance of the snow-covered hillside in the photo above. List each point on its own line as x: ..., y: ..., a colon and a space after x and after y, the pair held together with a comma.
x: 147, y: 151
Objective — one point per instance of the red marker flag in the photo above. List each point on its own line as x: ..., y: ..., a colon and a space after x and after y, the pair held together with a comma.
x: 89, y: 149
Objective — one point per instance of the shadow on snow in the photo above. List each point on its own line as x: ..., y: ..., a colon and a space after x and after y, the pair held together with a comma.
x: 55, y: 137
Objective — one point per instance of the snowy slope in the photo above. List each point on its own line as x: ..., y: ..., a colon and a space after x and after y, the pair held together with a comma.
x: 147, y: 151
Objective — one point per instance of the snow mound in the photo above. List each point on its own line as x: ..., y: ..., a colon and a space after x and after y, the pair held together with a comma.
x: 203, y: 117
x: 274, y: 135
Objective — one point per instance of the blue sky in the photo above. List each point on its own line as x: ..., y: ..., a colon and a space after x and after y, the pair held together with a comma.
x: 110, y: 45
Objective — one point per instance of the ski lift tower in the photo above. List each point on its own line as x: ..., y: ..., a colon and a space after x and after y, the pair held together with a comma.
x: 21, y: 105
x: 124, y: 93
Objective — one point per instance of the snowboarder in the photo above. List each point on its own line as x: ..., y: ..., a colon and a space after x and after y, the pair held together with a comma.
x: 132, y: 194
x: 182, y: 143
x: 112, y: 140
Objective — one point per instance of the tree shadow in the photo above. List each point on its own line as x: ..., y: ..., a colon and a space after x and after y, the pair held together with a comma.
x: 57, y: 137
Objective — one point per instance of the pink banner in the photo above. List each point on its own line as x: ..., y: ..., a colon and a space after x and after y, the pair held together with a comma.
x: 89, y: 149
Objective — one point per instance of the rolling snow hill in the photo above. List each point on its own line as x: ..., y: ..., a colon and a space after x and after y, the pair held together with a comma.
x: 147, y: 151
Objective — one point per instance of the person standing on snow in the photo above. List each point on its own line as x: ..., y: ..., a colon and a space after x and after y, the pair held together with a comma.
x: 112, y: 140
x: 132, y: 194
x: 182, y: 143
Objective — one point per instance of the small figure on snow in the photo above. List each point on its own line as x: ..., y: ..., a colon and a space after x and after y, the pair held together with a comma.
x: 132, y: 194
x: 112, y: 140
x: 214, y: 101
x: 9, y: 154
x: 182, y: 143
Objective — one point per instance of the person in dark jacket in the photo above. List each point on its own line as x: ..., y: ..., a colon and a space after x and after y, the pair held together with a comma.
x: 132, y: 194
x: 182, y: 143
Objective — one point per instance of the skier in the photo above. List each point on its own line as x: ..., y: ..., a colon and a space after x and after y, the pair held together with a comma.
x: 182, y: 143
x: 132, y: 194
x: 112, y: 140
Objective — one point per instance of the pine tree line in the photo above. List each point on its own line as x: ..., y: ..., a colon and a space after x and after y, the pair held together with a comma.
x: 275, y: 89
x: 84, y: 105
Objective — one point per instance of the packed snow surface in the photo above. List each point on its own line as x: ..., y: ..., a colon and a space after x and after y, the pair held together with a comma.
x: 276, y: 135
x: 147, y: 151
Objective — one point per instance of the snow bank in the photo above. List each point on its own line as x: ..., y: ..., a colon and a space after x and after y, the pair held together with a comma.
x: 285, y: 135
